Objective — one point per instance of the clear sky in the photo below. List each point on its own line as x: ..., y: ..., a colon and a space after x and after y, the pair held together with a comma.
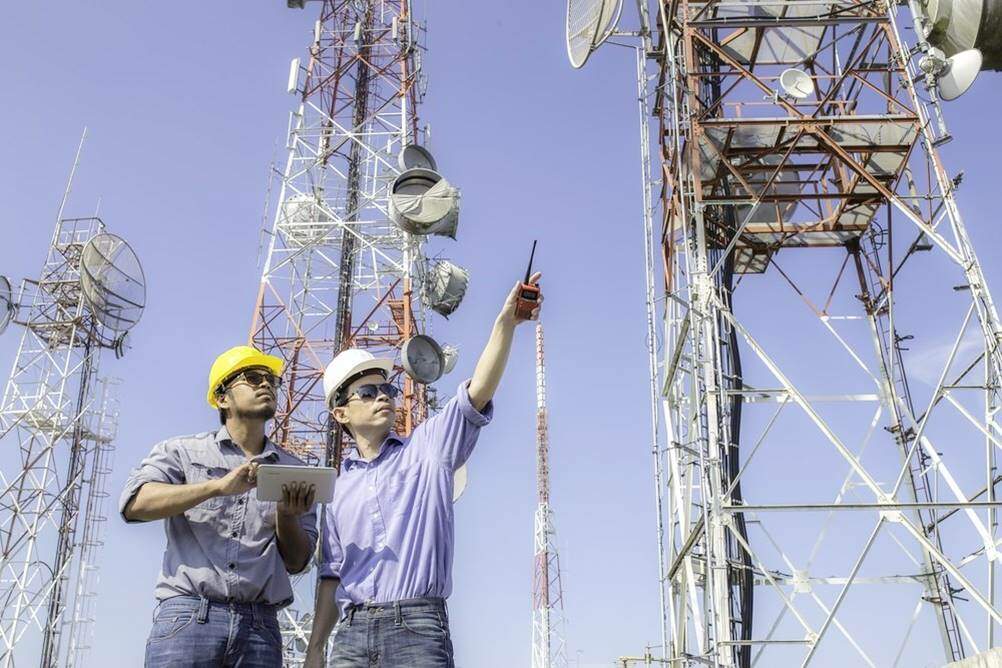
x: 185, y: 106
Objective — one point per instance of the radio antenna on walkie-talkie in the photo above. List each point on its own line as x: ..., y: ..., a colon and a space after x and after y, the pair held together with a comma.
x: 528, y: 271
x: 528, y: 293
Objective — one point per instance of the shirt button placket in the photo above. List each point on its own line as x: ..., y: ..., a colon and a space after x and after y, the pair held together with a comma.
x: 238, y: 511
x: 376, y: 524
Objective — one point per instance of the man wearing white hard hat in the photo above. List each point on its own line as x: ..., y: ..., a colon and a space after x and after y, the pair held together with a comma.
x: 226, y: 568
x: 386, y: 551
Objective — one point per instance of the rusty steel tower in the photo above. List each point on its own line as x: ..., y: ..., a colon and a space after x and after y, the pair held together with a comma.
x: 824, y: 348
x: 548, y: 642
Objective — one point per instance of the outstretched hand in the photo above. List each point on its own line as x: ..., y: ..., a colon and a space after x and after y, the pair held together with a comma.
x: 509, y: 310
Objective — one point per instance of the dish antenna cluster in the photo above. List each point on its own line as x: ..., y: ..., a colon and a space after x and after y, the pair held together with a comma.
x: 111, y: 284
x: 422, y: 203
x: 965, y: 37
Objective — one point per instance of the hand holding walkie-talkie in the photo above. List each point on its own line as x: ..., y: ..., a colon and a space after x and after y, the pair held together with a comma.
x: 529, y: 294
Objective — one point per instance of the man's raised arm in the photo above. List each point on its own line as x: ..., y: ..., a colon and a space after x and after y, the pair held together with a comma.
x: 492, y: 362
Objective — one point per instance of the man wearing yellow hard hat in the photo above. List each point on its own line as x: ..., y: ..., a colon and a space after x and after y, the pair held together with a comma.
x: 226, y: 568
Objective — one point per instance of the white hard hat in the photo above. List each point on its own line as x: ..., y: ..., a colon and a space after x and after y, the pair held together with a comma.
x: 349, y: 365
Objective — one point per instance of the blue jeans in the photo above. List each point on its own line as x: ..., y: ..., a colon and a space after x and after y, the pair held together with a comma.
x: 413, y: 633
x: 193, y: 632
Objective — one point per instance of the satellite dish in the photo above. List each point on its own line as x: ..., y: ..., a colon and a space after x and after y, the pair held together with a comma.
x: 416, y: 157
x: 422, y: 202
x: 7, y: 306
x: 444, y: 287
x: 959, y: 74
x: 796, y: 83
x: 304, y: 222
x: 112, y: 282
x: 460, y: 480
x: 451, y: 355
x: 422, y: 359
x: 611, y: 11
x: 589, y: 23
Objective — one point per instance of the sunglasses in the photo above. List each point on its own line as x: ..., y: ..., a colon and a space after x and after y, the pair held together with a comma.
x: 371, y: 391
x: 257, y: 379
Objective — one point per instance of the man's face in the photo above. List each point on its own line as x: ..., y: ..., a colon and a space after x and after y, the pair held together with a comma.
x: 244, y: 399
x: 374, y: 414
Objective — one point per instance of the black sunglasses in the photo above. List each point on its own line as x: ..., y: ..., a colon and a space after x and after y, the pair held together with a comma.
x: 371, y: 391
x: 257, y: 379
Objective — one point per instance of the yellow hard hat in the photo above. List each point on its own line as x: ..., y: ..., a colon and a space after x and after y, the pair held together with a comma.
x: 236, y: 359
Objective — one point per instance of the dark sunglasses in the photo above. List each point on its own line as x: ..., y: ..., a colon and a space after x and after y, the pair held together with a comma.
x: 371, y: 391
x: 257, y: 379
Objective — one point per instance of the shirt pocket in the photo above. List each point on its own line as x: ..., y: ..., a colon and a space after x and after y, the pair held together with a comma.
x: 400, y: 490
x: 199, y: 472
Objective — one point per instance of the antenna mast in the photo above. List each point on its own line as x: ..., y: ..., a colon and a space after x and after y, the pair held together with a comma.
x: 548, y: 642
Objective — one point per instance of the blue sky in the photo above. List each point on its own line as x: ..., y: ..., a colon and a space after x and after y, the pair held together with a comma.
x: 185, y: 106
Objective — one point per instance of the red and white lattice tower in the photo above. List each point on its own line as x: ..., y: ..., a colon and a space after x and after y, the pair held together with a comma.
x: 338, y: 273
x: 548, y: 648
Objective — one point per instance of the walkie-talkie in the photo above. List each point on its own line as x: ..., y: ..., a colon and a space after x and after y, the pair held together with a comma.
x: 528, y: 294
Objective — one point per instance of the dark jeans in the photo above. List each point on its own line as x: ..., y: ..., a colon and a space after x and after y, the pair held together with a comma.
x: 413, y: 633
x: 191, y: 632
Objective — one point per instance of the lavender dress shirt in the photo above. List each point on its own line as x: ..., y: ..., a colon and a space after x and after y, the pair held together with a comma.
x: 388, y: 532
x: 224, y: 548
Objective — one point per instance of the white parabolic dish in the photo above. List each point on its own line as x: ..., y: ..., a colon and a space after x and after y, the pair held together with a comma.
x: 962, y: 70
x: 589, y: 23
x: 6, y: 303
x: 796, y: 83
x: 112, y: 281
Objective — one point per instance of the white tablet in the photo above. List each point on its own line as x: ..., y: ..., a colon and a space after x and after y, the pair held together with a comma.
x: 271, y: 477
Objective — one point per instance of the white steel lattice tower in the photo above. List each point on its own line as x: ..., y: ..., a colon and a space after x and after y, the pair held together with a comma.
x: 548, y: 642
x: 57, y: 421
x: 824, y: 348
x: 338, y: 272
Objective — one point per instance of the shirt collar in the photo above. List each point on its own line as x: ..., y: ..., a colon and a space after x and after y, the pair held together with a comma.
x: 269, y: 454
x: 352, y: 457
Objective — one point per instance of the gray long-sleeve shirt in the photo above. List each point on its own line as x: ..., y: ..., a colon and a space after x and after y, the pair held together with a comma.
x: 224, y: 548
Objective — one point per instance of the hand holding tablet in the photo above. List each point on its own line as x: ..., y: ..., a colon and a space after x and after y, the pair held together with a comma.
x: 271, y: 478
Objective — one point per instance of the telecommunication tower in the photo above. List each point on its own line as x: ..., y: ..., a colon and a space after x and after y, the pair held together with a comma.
x: 58, y: 423
x: 346, y: 265
x: 824, y: 348
x: 548, y: 642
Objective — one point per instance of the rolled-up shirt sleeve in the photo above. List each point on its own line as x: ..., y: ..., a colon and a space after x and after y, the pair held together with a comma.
x: 453, y: 433
x: 331, y: 555
x: 162, y: 465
